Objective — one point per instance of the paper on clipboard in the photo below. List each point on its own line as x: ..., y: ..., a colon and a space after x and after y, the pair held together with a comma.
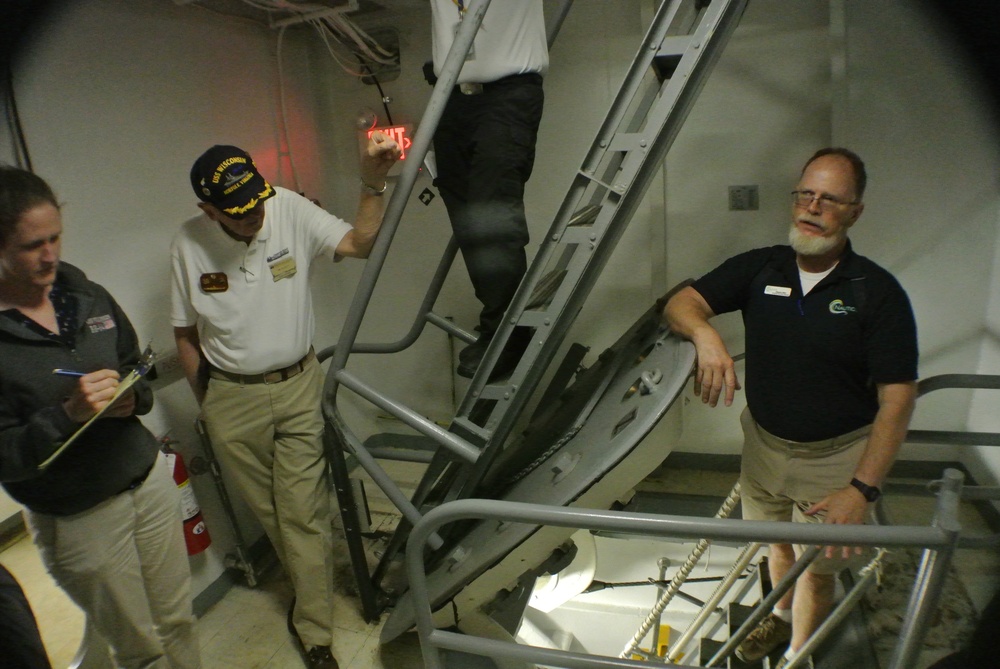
x: 145, y: 363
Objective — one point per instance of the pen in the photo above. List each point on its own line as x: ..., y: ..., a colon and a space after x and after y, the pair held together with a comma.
x: 67, y: 372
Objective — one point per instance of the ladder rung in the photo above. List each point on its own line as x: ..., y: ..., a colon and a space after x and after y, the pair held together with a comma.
x: 628, y: 141
x: 591, y: 177
x: 496, y: 391
x: 578, y: 236
x: 585, y: 216
x: 545, y: 289
x: 469, y: 428
x: 674, y: 45
x: 534, y: 319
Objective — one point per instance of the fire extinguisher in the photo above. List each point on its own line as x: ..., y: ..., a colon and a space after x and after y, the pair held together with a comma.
x: 195, y: 533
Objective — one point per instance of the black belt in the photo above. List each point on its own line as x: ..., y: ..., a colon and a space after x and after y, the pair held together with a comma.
x: 473, y: 88
x: 274, y: 376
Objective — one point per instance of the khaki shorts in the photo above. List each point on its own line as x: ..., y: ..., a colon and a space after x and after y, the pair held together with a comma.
x: 781, y: 479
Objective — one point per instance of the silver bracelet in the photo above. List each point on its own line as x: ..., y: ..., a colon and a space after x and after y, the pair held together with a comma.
x: 371, y: 189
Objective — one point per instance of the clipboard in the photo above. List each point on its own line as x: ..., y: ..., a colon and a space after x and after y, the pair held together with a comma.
x: 146, y: 361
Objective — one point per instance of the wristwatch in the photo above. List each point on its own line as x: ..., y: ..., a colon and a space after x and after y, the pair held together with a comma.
x: 871, y: 493
x: 371, y: 189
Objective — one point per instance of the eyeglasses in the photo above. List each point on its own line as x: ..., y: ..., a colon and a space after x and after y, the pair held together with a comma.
x: 805, y: 198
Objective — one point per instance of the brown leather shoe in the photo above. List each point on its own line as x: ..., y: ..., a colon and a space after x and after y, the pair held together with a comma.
x: 770, y: 633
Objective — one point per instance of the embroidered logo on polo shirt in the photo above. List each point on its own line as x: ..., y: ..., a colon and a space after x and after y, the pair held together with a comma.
x: 279, y: 254
x: 100, y: 323
x: 838, y: 307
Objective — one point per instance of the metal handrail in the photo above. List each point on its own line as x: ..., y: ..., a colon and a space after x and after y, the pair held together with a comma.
x: 938, y: 541
x: 680, y: 577
x: 868, y: 577
x: 952, y: 437
x: 735, y: 572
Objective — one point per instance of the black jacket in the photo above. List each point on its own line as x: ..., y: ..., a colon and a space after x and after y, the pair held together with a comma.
x: 112, y: 452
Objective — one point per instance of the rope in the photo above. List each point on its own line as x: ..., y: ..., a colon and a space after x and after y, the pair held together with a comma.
x: 679, y: 578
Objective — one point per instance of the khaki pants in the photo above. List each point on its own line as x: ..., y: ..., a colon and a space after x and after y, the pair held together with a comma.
x: 781, y: 479
x: 269, y: 440
x: 124, y: 563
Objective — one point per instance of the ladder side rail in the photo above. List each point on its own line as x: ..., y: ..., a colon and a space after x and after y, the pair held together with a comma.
x: 521, y: 298
x: 528, y: 371
x: 935, y: 538
x: 633, y: 81
x: 383, y: 480
x: 598, y: 153
x: 683, y: 88
x: 708, y: 608
x: 337, y: 433
x: 333, y: 446
x: 629, y: 90
x: 726, y: 18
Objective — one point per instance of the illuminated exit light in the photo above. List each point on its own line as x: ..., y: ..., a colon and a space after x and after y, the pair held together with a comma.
x: 400, y: 133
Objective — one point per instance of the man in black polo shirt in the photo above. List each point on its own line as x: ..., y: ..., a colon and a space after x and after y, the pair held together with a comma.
x: 831, y: 366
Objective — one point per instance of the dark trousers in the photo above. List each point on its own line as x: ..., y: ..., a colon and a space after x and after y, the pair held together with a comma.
x: 20, y: 644
x: 485, y: 148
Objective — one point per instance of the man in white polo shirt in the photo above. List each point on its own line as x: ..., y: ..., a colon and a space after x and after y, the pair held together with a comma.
x: 243, y: 323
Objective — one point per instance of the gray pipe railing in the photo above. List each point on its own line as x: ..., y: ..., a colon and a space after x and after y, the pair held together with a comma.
x: 938, y: 540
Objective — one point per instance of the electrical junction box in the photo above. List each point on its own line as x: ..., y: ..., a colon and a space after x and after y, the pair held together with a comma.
x: 743, y: 198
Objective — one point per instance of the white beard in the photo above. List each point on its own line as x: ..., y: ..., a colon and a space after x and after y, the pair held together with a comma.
x: 807, y: 245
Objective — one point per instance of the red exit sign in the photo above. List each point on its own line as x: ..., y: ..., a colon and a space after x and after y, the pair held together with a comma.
x: 400, y: 133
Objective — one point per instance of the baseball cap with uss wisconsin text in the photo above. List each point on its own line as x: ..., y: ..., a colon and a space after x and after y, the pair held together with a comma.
x: 226, y: 177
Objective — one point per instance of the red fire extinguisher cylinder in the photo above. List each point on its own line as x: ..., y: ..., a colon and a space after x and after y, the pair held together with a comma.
x: 196, y: 535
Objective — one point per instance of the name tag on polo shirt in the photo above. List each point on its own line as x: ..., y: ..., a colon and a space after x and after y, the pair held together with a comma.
x: 214, y: 282
x: 283, y: 269
x: 780, y: 291
x: 100, y: 323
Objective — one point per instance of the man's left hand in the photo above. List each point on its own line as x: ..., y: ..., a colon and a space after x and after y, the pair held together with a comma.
x: 380, y: 155
x: 843, y: 507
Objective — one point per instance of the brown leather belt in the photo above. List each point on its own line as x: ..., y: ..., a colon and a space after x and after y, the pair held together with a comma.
x: 274, y: 376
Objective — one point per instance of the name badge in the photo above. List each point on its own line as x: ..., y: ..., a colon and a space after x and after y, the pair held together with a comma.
x: 214, y: 282
x: 100, y: 323
x: 283, y: 269
x: 780, y: 291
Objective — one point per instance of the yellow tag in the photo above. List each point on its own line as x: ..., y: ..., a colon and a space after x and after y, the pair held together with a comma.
x: 283, y: 269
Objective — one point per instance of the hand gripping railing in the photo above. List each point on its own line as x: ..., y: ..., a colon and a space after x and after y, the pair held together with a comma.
x: 938, y: 540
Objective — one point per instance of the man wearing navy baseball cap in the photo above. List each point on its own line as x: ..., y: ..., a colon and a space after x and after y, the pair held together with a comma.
x: 243, y: 322
x: 226, y: 177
